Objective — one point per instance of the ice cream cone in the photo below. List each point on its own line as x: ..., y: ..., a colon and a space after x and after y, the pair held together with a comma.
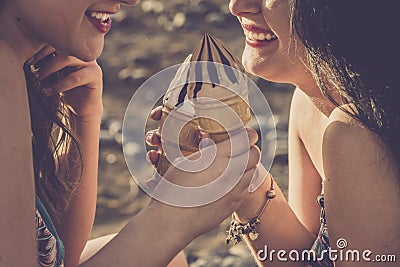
x: 218, y: 107
x: 221, y: 105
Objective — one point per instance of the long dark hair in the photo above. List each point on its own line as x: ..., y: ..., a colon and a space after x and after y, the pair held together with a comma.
x: 352, y: 49
x: 57, y: 158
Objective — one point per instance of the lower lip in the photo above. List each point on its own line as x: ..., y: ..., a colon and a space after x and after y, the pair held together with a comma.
x: 103, y: 27
x: 257, y: 43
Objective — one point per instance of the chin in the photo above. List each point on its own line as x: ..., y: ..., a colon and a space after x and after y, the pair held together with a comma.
x: 255, y: 67
x: 267, y: 69
x: 89, y: 51
x: 88, y: 57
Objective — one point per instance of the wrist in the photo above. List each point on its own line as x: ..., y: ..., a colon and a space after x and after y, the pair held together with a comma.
x: 171, y: 223
x: 92, y: 117
x: 238, y: 228
x: 253, y: 205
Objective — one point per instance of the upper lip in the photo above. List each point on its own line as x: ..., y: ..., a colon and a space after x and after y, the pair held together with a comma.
x: 104, y: 11
x: 253, y: 28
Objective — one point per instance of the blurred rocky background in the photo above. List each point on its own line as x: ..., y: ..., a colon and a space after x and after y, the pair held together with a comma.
x: 144, y: 40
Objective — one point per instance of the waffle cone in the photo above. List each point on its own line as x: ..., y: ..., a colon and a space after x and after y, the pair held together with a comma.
x: 216, y: 117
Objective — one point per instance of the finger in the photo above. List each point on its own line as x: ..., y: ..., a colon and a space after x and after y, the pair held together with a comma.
x: 236, y: 144
x: 151, y: 184
x: 41, y: 54
x: 81, y: 77
x: 152, y: 138
x: 156, y: 113
x: 244, y: 183
x: 254, y: 157
x: 152, y: 157
x: 56, y: 64
x: 237, y: 165
x: 203, y: 135
x: 259, y: 176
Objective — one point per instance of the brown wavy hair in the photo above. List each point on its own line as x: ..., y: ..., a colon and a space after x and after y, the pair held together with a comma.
x: 352, y: 48
x: 57, y: 157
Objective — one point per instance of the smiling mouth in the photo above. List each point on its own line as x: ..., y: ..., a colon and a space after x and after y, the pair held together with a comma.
x: 102, y: 17
x: 259, y: 36
x: 100, y: 20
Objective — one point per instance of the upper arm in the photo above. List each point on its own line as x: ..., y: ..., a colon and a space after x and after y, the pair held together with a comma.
x: 304, y: 180
x: 362, y: 196
x: 17, y: 220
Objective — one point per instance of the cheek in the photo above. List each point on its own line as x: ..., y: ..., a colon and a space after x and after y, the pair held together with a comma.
x: 269, y: 4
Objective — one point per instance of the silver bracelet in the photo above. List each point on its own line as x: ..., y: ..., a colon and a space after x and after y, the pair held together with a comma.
x: 237, y: 229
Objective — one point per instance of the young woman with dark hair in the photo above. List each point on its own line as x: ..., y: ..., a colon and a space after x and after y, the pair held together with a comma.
x: 343, y: 129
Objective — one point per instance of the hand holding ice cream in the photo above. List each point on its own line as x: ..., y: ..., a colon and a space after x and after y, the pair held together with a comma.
x: 208, y: 93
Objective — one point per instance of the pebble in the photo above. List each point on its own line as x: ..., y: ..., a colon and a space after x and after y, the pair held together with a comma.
x: 215, y: 19
x: 114, y: 127
x: 111, y: 158
x: 131, y: 149
x: 152, y: 6
x: 179, y: 20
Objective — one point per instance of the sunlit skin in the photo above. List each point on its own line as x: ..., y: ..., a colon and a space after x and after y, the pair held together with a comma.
x: 29, y: 28
x: 30, y: 31
x: 325, y: 145
x: 279, y: 59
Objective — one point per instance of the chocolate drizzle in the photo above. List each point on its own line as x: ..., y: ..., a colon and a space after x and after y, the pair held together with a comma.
x: 212, y: 50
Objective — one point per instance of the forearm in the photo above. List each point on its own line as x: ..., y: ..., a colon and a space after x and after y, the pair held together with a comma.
x: 78, y: 220
x: 152, y: 238
x: 280, y: 229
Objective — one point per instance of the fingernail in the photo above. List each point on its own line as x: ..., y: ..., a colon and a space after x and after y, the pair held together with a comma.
x: 148, y: 158
x: 204, y: 135
x: 151, y: 184
x: 205, y: 143
x: 149, y: 137
x: 152, y: 113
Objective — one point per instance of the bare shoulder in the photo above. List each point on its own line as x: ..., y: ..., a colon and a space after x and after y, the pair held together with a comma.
x: 350, y: 141
x: 14, y: 104
x: 349, y: 146
x: 362, y: 185
x: 299, y: 106
x: 16, y: 168
x: 15, y: 131
x: 305, y: 117
x: 11, y: 72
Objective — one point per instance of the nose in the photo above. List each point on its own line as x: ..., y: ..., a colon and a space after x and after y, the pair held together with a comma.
x: 240, y: 7
x: 130, y: 2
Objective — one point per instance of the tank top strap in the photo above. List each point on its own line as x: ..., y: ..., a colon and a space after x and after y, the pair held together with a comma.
x: 50, y: 226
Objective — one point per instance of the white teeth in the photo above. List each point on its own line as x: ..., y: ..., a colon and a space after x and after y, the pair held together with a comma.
x: 259, y: 36
x: 103, y: 17
x: 251, y: 35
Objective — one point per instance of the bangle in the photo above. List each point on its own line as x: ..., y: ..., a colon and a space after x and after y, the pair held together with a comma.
x: 237, y: 228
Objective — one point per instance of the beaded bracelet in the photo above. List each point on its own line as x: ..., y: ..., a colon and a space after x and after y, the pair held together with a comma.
x: 237, y: 229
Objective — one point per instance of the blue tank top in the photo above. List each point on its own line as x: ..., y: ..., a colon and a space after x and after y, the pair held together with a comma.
x: 50, y: 249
